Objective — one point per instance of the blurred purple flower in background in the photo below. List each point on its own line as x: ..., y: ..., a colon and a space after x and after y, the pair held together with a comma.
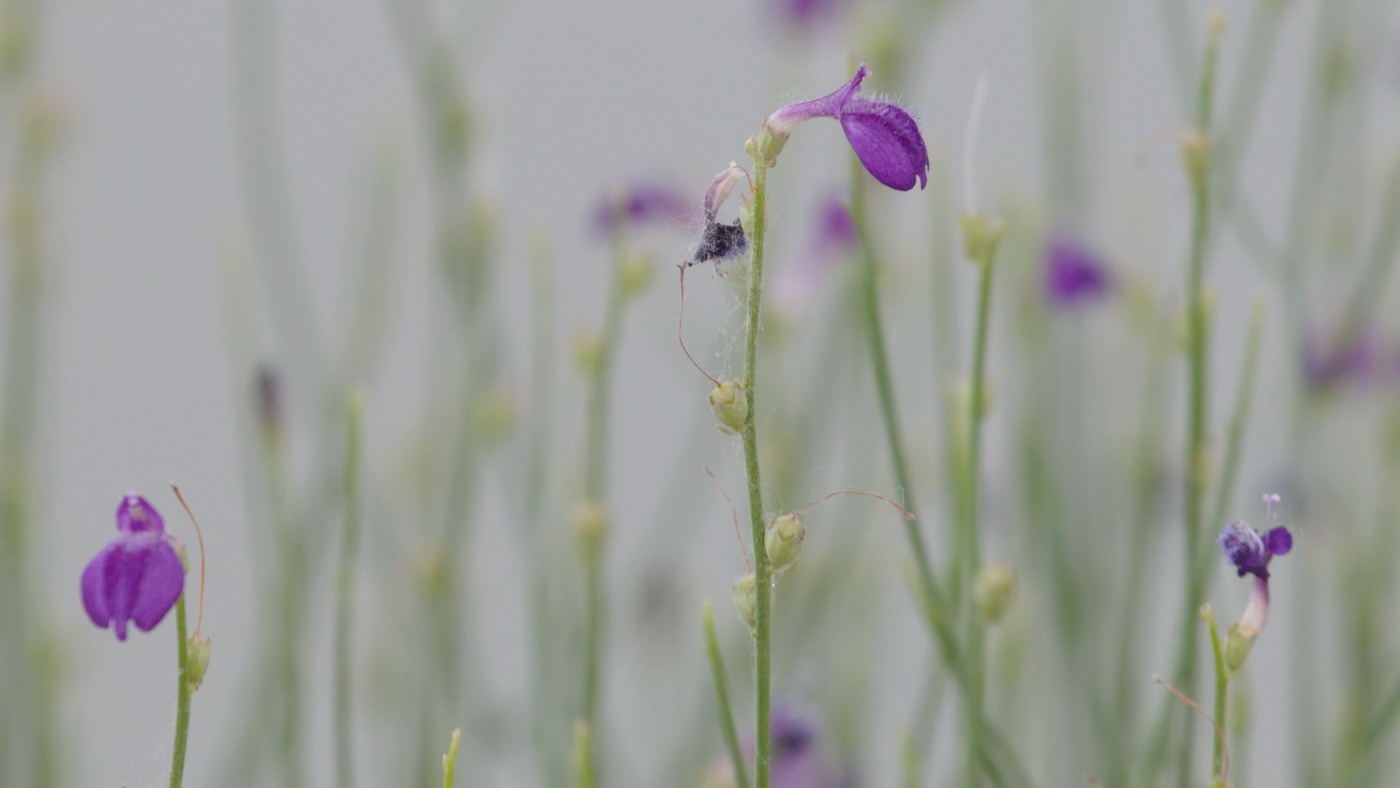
x: 833, y: 237
x: 1331, y: 361
x: 799, y: 18
x: 641, y: 204
x: 138, y: 576
x: 884, y: 135
x: 1074, y: 274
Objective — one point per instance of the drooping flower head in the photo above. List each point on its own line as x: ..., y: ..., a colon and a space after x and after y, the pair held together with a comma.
x: 884, y: 135
x: 640, y: 204
x: 1250, y: 553
x: 1074, y: 274
x: 138, y: 576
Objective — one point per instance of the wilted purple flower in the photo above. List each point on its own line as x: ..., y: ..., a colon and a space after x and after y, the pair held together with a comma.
x: 1250, y: 551
x: 720, y: 241
x: 833, y: 237
x: 884, y: 135
x: 640, y: 204
x: 1073, y: 273
x: 137, y: 576
x: 1329, y: 362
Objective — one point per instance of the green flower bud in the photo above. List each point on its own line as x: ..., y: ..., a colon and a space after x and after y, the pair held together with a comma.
x: 730, y: 403
x: 588, y: 354
x: 783, y: 541
x: 1195, y: 153
x: 591, y: 527
x: 981, y: 236
x: 197, y: 660
x: 993, y: 591
x: 746, y: 601
x: 493, y: 416
x: 767, y: 146
x: 1237, y: 647
x: 635, y: 274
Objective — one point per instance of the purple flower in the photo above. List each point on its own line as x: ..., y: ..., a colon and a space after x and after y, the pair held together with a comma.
x: 1250, y: 551
x: 803, y: 17
x: 796, y: 760
x: 137, y: 576
x: 1329, y: 362
x: 639, y: 205
x: 884, y: 136
x: 1073, y: 273
x: 833, y: 237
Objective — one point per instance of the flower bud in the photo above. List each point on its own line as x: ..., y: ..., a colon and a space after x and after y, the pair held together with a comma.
x: 783, y: 541
x: 993, y: 591
x: 769, y: 144
x: 635, y: 274
x: 588, y: 354
x: 730, y: 403
x: 197, y: 660
x: 746, y: 601
x: 981, y: 235
x: 1195, y: 153
x: 591, y: 527
x: 1237, y: 647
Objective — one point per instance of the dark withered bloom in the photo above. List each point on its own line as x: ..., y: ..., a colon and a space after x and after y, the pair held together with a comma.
x: 1074, y: 274
x: 138, y: 576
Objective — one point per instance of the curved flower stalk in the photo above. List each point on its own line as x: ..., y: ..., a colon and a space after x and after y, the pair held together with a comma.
x: 883, y: 134
x: 138, y: 576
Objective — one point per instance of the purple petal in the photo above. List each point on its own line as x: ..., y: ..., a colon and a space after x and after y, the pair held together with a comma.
x: 137, y: 577
x: 136, y: 515
x: 782, y: 122
x: 1244, y: 549
x: 94, y: 592
x: 1278, y: 541
x: 887, y: 141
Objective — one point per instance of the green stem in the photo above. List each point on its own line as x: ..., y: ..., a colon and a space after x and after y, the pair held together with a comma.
x: 970, y: 530
x: 595, y: 483
x: 449, y: 761
x: 583, y: 757
x: 1222, y: 686
x: 182, y: 704
x: 762, y: 576
x: 345, y: 597
x: 726, y: 717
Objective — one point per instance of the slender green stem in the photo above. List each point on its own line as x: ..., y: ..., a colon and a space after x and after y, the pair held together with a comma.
x: 595, y: 484
x: 1234, y: 438
x: 726, y: 717
x: 182, y: 703
x: 971, y: 527
x: 449, y: 761
x: 345, y: 598
x: 583, y: 756
x: 762, y: 575
x: 1222, y: 687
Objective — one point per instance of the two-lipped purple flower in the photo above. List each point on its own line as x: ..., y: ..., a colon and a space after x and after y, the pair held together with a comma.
x: 1250, y: 551
x: 138, y: 576
x: 883, y: 134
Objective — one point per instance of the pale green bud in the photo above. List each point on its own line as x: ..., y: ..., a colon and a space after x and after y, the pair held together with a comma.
x: 1237, y: 648
x: 730, y: 403
x: 591, y: 527
x: 1195, y: 153
x: 746, y: 601
x: 993, y: 591
x: 635, y: 274
x: 783, y: 541
x: 588, y: 354
x: 197, y: 660
x: 981, y: 235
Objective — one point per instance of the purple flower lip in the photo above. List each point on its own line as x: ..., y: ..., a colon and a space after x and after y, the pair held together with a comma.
x: 1073, y: 273
x: 1250, y: 551
x: 138, y: 576
x: 884, y: 135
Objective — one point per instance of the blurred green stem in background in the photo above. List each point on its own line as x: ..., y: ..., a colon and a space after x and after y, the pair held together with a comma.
x: 449, y: 761
x: 762, y: 576
x: 343, y: 637
x: 726, y: 717
x: 1222, y: 689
